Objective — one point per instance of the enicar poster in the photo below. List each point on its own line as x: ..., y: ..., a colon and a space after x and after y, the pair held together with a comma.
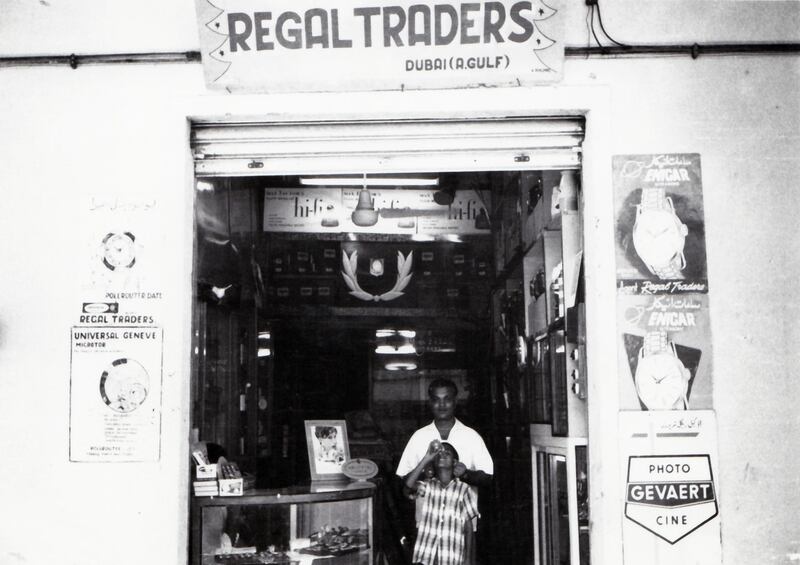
x: 665, y: 360
x: 660, y: 225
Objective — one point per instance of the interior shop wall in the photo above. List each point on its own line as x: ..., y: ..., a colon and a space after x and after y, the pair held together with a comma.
x: 120, y: 132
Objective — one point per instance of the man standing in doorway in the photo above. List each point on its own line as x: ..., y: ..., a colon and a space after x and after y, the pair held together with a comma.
x: 475, y: 466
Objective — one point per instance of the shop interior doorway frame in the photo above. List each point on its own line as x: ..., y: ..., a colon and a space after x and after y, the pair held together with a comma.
x: 593, y: 103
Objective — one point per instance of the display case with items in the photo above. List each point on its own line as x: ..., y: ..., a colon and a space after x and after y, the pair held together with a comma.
x: 544, y: 283
x: 551, y: 273
x: 301, y: 525
x: 558, y: 384
x: 539, y: 379
x: 561, y: 509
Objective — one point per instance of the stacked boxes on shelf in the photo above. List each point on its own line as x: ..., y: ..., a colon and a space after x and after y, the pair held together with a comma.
x: 205, y: 483
x: 230, y: 480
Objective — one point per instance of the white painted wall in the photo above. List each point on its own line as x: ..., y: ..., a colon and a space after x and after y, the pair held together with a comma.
x: 113, y: 130
x: 67, y: 137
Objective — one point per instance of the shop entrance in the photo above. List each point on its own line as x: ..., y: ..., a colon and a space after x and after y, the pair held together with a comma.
x: 340, y: 269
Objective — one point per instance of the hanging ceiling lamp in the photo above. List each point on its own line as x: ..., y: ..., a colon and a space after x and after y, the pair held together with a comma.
x: 395, y: 342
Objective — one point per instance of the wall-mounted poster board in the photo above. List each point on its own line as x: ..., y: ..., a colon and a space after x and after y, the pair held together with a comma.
x: 115, y: 393
x: 670, y: 466
x: 662, y: 304
x: 660, y: 224
x: 665, y: 360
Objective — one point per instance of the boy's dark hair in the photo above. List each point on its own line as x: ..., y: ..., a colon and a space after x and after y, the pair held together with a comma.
x: 442, y: 383
x: 450, y: 449
x: 325, y: 432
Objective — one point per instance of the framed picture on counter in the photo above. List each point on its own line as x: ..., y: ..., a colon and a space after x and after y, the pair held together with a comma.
x: 328, y: 449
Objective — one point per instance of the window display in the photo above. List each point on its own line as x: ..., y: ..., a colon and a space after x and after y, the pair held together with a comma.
x: 297, y: 526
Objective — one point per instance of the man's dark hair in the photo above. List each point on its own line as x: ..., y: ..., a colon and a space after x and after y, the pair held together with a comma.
x: 442, y: 383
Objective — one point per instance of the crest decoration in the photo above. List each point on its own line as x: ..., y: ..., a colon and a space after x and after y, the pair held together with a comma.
x: 404, y: 274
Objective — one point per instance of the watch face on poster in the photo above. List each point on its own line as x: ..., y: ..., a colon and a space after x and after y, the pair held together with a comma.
x: 119, y: 250
x: 123, y: 385
x: 661, y: 382
x: 658, y: 237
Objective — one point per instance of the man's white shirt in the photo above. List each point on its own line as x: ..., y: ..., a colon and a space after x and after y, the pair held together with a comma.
x: 471, y: 449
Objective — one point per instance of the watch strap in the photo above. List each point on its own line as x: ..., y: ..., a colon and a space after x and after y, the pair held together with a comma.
x: 655, y: 342
x: 653, y: 198
x: 672, y: 270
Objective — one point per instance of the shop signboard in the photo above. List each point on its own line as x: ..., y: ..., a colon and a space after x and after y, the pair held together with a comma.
x: 671, y: 490
x: 660, y: 224
x: 665, y: 360
x: 355, y: 45
x: 357, y: 210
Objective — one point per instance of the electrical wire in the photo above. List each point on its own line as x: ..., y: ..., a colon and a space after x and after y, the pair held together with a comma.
x: 591, y: 10
x: 602, y: 27
x: 588, y: 29
x: 592, y: 6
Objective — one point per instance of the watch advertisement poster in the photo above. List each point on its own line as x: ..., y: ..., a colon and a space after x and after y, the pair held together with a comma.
x: 670, y: 465
x: 124, y: 262
x: 660, y: 224
x: 115, y: 393
x: 121, y: 252
x: 665, y: 360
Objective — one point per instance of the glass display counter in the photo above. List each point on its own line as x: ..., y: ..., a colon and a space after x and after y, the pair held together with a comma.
x: 561, y: 500
x: 314, y: 524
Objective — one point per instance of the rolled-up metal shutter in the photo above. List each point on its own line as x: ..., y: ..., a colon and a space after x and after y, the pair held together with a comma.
x: 246, y: 149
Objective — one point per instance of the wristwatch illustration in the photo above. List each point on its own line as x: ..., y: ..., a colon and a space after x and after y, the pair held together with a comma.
x: 123, y: 385
x: 659, y: 235
x: 662, y: 381
x: 119, y: 250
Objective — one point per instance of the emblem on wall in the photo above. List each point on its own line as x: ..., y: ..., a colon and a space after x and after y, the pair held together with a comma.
x: 404, y: 274
x: 119, y: 250
x: 671, y: 495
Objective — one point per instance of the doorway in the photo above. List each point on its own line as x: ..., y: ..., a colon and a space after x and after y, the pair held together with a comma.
x: 282, y: 335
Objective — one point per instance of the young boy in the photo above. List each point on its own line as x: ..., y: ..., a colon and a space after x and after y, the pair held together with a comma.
x: 448, y: 509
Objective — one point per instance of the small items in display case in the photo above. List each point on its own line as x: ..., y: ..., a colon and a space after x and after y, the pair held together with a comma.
x: 558, y: 384
x: 541, y: 393
x: 249, y: 557
x: 337, y: 541
x: 300, y: 525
